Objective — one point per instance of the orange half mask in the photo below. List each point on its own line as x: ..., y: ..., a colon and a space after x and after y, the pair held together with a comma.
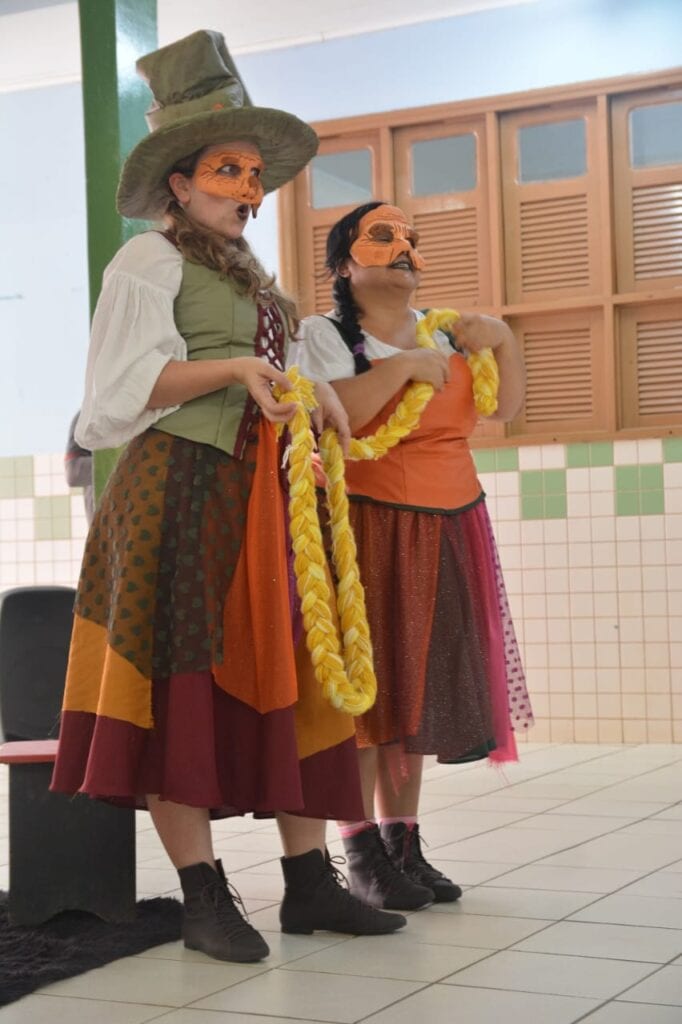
x: 232, y: 173
x: 384, y: 235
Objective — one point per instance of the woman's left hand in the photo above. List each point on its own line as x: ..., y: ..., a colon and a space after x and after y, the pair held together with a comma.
x: 331, y: 413
x: 474, y: 331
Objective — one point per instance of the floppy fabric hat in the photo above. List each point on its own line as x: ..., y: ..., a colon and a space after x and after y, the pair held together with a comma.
x: 200, y: 100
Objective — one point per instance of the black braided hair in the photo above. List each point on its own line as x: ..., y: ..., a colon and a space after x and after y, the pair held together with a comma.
x: 339, y: 241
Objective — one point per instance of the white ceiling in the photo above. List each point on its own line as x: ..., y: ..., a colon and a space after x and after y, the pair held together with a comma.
x: 39, y: 40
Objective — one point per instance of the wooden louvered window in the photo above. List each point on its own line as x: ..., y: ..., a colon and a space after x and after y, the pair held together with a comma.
x: 559, y: 210
x: 564, y: 356
x: 647, y: 171
x: 346, y: 172
x: 441, y: 177
x: 551, y: 205
x: 651, y: 365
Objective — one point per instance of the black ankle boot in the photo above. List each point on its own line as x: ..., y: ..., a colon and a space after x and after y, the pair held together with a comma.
x: 375, y: 879
x: 404, y: 848
x: 314, y: 899
x: 212, y: 922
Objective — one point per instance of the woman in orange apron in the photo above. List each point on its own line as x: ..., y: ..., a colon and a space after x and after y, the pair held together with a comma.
x: 449, y: 673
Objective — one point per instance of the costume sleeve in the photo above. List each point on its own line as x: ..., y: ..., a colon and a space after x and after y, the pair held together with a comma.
x: 320, y: 352
x: 133, y: 337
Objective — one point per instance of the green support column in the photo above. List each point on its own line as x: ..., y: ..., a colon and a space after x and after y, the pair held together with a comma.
x: 114, y: 33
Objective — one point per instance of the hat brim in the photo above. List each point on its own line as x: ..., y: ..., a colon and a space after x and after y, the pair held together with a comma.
x: 285, y: 143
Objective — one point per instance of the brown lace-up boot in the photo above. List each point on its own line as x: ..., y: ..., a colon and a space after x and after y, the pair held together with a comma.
x: 404, y: 848
x: 315, y: 899
x: 212, y: 921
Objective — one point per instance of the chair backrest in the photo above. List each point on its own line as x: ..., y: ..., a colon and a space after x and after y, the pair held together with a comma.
x: 35, y: 631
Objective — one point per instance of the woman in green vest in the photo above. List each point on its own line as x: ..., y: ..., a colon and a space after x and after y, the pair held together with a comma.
x: 190, y: 691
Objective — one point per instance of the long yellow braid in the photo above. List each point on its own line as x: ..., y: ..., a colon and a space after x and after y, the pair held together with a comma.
x: 347, y: 678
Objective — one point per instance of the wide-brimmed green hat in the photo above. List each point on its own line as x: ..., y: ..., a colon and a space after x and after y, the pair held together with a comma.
x: 200, y: 100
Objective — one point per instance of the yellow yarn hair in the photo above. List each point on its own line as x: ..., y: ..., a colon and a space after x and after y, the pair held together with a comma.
x: 347, y: 677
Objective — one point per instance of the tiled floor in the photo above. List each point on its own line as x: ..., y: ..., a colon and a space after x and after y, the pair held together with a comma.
x: 572, y: 863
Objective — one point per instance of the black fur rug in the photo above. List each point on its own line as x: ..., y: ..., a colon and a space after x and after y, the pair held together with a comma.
x: 74, y: 942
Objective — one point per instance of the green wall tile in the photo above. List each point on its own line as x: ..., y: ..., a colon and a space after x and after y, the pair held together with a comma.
x: 531, y: 481
x: 652, y: 503
x: 532, y: 506
x: 61, y: 529
x: 23, y: 486
x: 554, y: 481
x: 485, y: 460
x: 577, y: 456
x: 8, y: 486
x: 506, y: 459
x: 23, y: 465
x: 627, y: 503
x: 627, y: 478
x: 555, y: 506
x: 672, y: 449
x: 651, y: 477
x: 601, y: 453
x: 6, y: 467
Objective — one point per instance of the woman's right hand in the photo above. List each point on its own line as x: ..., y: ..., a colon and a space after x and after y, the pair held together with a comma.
x: 257, y: 376
x: 429, y: 366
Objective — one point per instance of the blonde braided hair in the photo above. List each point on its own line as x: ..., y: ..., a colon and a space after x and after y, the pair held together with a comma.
x: 347, y: 677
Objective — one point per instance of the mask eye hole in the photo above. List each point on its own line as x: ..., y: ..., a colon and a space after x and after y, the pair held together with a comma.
x: 413, y: 238
x: 255, y: 172
x: 230, y: 170
x: 381, y: 233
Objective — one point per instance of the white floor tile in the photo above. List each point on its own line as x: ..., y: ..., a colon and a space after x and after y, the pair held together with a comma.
x: 457, y: 928
x: 566, y: 879
x: 46, y: 1009
x: 535, y: 903
x: 663, y: 987
x: 618, y: 942
x: 622, y: 908
x: 553, y: 975
x: 660, y: 885
x: 168, y: 983
x: 187, y: 1016
x: 283, y: 948
x: 445, y: 1004
x: 401, y: 958
x: 629, y: 852
x: 629, y: 1013
x: 513, y: 845
x: 310, y: 996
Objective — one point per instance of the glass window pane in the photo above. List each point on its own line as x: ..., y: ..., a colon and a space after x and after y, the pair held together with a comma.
x: 342, y: 179
x: 548, y: 152
x: 656, y: 135
x: 444, y: 165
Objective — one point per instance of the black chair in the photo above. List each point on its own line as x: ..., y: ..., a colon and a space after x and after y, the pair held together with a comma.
x: 66, y: 853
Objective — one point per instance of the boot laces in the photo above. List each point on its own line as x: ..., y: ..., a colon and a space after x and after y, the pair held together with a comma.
x: 413, y: 857
x: 229, y: 906
x: 335, y: 871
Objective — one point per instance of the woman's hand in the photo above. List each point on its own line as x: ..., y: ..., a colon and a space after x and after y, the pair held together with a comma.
x: 475, y: 331
x: 331, y: 413
x: 258, y: 377
x: 428, y: 366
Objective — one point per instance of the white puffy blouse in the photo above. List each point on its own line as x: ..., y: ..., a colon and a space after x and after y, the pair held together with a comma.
x: 133, y: 337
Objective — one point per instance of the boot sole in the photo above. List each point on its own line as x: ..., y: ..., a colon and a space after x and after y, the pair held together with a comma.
x: 251, y: 959
x: 339, y: 931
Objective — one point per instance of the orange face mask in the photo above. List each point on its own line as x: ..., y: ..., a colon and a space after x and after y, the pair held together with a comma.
x: 232, y: 173
x: 383, y: 236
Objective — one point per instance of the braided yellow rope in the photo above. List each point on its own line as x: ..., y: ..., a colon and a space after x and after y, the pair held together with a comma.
x: 348, y: 682
x: 347, y: 678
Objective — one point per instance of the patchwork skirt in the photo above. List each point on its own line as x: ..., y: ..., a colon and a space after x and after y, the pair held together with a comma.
x: 450, y: 679
x: 188, y: 677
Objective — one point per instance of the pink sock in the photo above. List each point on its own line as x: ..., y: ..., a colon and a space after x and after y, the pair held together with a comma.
x: 352, y: 828
x: 407, y: 819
